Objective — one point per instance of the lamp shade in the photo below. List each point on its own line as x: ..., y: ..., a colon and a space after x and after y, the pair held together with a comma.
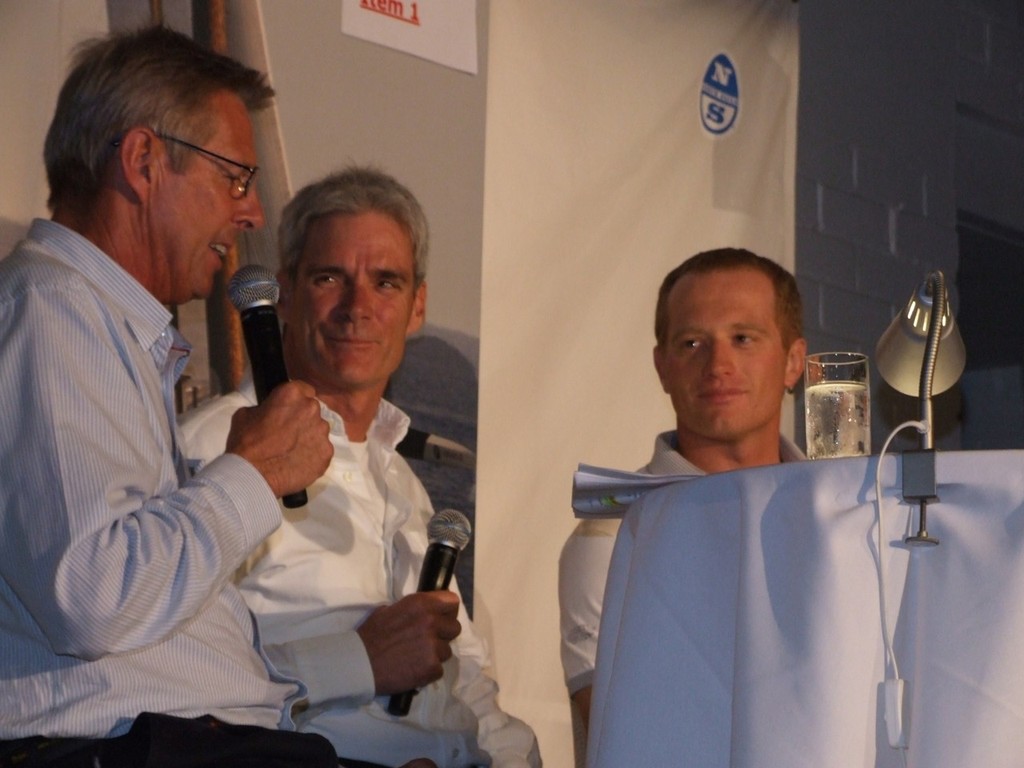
x: 900, y: 352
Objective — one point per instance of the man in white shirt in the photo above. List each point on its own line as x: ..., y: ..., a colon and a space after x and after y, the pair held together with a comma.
x: 729, y: 344
x: 334, y: 589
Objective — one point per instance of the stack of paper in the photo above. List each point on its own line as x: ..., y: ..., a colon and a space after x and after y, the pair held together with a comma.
x: 602, y: 492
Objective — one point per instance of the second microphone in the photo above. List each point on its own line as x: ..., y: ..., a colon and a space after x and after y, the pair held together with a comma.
x: 448, y: 532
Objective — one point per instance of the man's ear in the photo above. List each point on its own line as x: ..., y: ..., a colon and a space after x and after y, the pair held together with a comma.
x: 795, y: 363
x: 419, y: 310
x: 136, y: 160
x: 660, y: 364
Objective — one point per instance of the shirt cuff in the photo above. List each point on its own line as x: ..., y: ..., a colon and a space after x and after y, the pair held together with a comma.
x: 334, y: 667
x: 258, y: 511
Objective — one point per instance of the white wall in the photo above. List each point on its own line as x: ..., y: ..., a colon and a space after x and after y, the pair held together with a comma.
x: 35, y: 41
x: 599, y: 180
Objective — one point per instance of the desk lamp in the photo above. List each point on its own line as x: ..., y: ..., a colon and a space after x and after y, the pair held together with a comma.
x: 921, y: 353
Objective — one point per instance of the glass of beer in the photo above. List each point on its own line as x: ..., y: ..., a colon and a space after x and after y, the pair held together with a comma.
x: 837, y: 405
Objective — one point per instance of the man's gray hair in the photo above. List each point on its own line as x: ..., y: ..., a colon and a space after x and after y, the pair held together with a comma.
x: 354, y: 190
x: 153, y: 77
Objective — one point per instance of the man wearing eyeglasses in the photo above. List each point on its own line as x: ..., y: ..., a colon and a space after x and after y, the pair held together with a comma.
x: 122, y: 641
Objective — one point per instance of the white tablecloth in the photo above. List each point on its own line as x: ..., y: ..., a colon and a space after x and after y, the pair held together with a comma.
x: 742, y: 626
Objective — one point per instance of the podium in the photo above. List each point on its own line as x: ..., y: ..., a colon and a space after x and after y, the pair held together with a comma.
x: 742, y: 626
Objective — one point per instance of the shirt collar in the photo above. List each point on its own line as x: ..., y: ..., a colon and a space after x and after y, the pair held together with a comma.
x: 668, y: 461
x: 171, y: 353
x: 389, y: 425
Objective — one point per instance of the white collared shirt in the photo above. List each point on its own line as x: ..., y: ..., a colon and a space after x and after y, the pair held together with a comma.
x: 358, y: 544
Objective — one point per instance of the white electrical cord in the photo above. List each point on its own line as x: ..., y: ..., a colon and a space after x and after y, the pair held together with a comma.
x: 893, y: 685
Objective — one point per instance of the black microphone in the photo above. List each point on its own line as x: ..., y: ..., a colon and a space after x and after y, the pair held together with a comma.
x: 418, y: 444
x: 448, y: 533
x: 254, y: 291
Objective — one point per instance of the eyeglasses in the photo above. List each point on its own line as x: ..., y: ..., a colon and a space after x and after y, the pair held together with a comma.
x: 240, y: 183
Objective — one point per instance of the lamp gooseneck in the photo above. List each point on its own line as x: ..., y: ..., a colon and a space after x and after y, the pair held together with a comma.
x: 936, y: 286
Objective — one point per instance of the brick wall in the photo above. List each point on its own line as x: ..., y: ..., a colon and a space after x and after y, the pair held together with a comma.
x: 908, y: 112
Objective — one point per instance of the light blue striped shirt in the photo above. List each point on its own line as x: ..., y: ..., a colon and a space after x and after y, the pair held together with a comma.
x: 115, y: 568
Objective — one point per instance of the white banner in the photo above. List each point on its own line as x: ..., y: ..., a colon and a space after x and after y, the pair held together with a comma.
x: 622, y: 138
x: 443, y: 31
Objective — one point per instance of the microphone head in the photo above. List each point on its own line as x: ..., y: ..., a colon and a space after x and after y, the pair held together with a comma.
x: 253, y: 285
x: 450, y: 528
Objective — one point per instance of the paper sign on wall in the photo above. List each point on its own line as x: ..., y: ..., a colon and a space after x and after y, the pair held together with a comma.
x: 443, y: 31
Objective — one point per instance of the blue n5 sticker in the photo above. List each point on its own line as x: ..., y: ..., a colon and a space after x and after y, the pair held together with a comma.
x: 719, y: 95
